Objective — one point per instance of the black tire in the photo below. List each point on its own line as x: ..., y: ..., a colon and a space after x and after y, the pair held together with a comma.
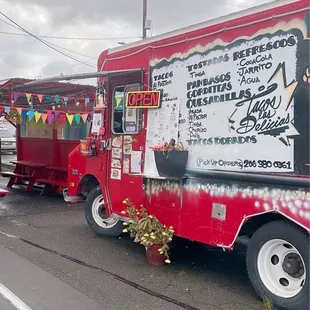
x: 102, y: 229
x: 296, y: 237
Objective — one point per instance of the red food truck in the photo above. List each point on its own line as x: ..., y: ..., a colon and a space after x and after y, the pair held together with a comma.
x: 234, y: 91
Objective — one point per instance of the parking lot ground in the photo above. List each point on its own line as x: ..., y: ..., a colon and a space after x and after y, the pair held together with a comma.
x: 54, y: 238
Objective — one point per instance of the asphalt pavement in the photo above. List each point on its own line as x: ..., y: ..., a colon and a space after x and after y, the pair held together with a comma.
x: 6, y: 305
x: 51, y: 259
x: 7, y: 157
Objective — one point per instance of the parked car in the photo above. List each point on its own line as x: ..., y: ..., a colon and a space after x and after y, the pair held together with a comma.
x: 8, y: 141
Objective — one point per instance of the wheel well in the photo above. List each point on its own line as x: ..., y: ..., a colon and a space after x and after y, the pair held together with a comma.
x: 249, y: 228
x: 87, y: 183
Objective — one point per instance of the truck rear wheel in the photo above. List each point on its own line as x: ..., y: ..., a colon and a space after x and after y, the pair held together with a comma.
x: 278, y: 265
x: 96, y: 216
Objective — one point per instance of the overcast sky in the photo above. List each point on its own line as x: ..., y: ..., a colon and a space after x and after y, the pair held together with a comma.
x: 23, y: 56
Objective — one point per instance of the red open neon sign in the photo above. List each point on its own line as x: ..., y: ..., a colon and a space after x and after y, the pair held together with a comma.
x: 144, y: 99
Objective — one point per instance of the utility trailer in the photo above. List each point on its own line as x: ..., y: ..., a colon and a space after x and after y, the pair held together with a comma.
x: 50, y: 119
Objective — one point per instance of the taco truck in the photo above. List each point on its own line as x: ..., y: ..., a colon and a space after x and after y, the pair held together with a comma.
x: 234, y: 91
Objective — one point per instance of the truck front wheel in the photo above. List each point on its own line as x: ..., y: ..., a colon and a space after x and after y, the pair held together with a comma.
x: 278, y: 265
x: 97, y: 219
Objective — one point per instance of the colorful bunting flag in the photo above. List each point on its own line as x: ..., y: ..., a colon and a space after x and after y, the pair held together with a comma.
x: 70, y: 118
x: 47, y: 99
x: 40, y: 97
x: 50, y: 116
x: 28, y: 96
x: 118, y: 101
x: 84, y: 117
x: 77, y: 118
x: 30, y: 114
x: 37, y: 116
x: 15, y: 95
x: 24, y: 113
x: 62, y: 119
x: 44, y: 117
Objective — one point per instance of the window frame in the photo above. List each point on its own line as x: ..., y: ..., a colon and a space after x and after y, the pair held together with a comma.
x: 139, y: 118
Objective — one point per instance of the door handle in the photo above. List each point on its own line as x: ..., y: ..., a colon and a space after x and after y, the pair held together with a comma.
x: 109, y: 145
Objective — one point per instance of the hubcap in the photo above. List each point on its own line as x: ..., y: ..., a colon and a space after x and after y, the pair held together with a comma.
x: 293, y: 265
x: 99, y: 214
x: 281, y: 268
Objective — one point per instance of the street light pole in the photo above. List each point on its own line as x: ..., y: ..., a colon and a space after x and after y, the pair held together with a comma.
x: 144, y: 19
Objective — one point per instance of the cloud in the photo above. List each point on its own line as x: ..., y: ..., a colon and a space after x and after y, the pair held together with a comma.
x: 23, y: 56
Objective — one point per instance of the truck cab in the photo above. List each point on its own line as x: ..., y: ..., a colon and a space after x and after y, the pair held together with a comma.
x: 118, y: 136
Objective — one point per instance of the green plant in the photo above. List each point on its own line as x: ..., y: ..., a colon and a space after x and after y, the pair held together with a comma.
x: 146, y: 229
x: 168, y: 147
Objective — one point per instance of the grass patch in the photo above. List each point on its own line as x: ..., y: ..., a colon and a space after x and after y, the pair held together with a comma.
x: 267, y: 304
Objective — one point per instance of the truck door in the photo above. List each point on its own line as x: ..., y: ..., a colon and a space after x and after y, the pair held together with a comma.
x: 126, y: 144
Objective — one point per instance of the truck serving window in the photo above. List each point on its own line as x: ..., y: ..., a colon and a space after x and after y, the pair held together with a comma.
x: 125, y: 121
